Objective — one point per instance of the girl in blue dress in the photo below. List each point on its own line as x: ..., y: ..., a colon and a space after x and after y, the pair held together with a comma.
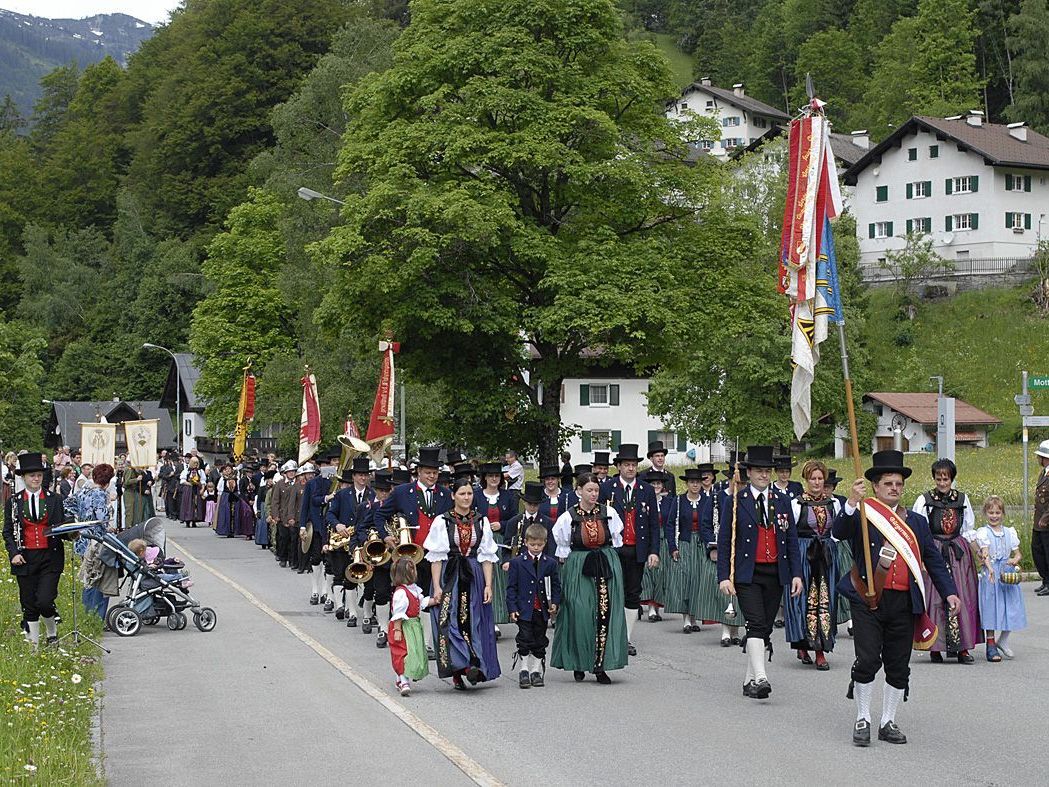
x: 1001, y: 603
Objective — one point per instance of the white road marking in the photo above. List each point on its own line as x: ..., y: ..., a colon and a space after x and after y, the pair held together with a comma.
x: 455, y: 755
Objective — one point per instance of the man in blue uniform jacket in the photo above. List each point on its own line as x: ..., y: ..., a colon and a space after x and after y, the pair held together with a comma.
x: 883, y: 635
x: 635, y: 502
x: 311, y: 518
x: 768, y: 560
x: 345, y: 509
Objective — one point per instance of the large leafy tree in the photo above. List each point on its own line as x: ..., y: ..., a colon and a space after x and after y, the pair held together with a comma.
x: 524, y: 201
x: 21, y: 375
x: 1028, y: 35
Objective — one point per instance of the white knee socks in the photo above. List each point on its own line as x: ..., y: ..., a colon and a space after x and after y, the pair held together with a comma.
x: 726, y: 632
x: 756, y: 655
x: 382, y: 615
x: 33, y: 635
x: 315, y: 581
x: 354, y: 601
x: 428, y: 633
x: 631, y: 619
x: 531, y: 664
x: 329, y: 588
x: 890, y: 702
x: 50, y: 626
x: 862, y: 692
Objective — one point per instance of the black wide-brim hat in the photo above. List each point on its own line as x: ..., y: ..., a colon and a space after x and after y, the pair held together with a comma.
x: 30, y: 463
x: 832, y: 478
x: 430, y: 457
x: 490, y: 468
x: 697, y: 473
x: 759, y: 456
x: 549, y: 471
x: 656, y: 447
x: 784, y: 462
x: 383, y: 479
x: 400, y: 476
x: 886, y: 462
x: 734, y: 458
x: 627, y: 453
x: 361, y: 464
x: 655, y: 475
x: 601, y: 459
x: 578, y: 470
x: 345, y: 478
x: 533, y: 492
x: 464, y: 469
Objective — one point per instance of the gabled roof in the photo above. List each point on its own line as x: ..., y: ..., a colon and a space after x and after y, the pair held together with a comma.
x: 991, y: 141
x: 845, y: 150
x: 743, y: 102
x: 188, y: 373
x: 922, y: 408
x: 69, y: 415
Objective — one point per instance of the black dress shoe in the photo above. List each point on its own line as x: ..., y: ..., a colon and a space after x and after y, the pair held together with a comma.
x: 747, y: 688
x: 890, y: 733
x: 726, y: 642
x: 301, y: 571
x: 329, y: 606
x: 935, y: 657
x: 761, y: 689
x: 537, y: 679
x: 380, y: 641
x: 283, y: 563
x: 603, y: 679
x: 351, y: 622
x: 314, y: 600
x: 861, y: 733
x: 474, y: 675
x: 579, y: 676
x: 430, y: 655
x: 778, y: 624
x: 457, y: 683
x: 966, y: 658
x: 340, y: 613
x: 737, y: 641
x: 1043, y: 591
x: 523, y: 681
x: 630, y: 649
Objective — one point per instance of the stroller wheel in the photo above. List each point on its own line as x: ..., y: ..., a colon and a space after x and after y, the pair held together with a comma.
x: 126, y: 622
x: 151, y: 621
x: 205, y: 619
x: 176, y: 621
x: 111, y: 614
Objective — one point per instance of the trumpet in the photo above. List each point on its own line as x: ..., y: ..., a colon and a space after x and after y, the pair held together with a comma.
x: 359, y: 570
x: 375, y: 550
x: 405, y: 546
x: 337, y: 541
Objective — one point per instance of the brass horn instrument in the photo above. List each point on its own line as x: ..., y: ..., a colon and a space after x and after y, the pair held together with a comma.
x: 375, y: 550
x: 405, y: 546
x: 359, y: 570
x: 336, y: 541
x: 352, y: 447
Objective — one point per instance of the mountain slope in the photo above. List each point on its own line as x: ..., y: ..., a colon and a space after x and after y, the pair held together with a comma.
x: 31, y: 46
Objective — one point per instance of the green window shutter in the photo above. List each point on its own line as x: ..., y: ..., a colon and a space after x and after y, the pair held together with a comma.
x: 870, y: 230
x: 881, y: 193
x: 948, y: 187
x: 974, y: 183
x: 910, y: 226
x: 1027, y: 182
x: 613, y: 394
x: 888, y: 228
x: 587, y: 443
x: 910, y: 191
x: 1008, y: 182
x: 682, y: 443
x: 928, y: 188
x: 1027, y: 221
x: 947, y: 223
x: 652, y: 436
x: 584, y: 395
x: 974, y: 221
x: 617, y: 436
x: 1008, y: 220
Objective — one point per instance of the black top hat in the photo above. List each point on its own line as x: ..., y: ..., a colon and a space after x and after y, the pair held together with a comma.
x: 655, y: 475
x: 697, y: 473
x: 490, y: 468
x: 383, y: 479
x: 549, y: 471
x: 832, y: 478
x: 345, y: 477
x: 887, y: 462
x: 734, y: 458
x: 784, y: 461
x: 601, y: 459
x: 400, y: 476
x: 444, y: 477
x: 464, y: 469
x: 656, y: 447
x: 30, y: 463
x: 578, y: 470
x: 759, y: 456
x: 430, y: 457
x: 627, y: 453
x: 361, y: 464
x: 455, y: 456
x: 533, y: 492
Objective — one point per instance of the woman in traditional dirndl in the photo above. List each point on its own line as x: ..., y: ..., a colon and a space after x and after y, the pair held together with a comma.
x: 590, y: 635
x: 1001, y: 602
x: 654, y: 580
x: 810, y: 620
x: 706, y: 601
x: 191, y: 487
x: 497, y: 506
x: 462, y: 556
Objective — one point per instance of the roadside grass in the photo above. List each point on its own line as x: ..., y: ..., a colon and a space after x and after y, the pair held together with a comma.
x: 47, y: 698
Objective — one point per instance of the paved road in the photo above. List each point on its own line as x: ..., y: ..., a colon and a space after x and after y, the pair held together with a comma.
x: 254, y: 702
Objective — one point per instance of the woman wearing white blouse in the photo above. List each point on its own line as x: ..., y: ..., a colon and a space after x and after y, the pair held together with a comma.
x: 591, y: 634
x: 462, y: 553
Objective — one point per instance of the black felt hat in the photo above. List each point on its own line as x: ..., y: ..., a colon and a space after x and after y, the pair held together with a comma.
x: 401, y: 476
x: 655, y: 475
x: 533, y: 492
x: 628, y: 453
x: 490, y: 468
x: 464, y: 470
x: 656, y: 447
x: 832, y: 478
x: 578, y: 470
x: 784, y: 461
x: 887, y: 462
x: 759, y: 456
x: 601, y: 459
x: 30, y: 463
x: 430, y: 457
x: 383, y: 479
x: 549, y: 471
x: 361, y: 464
x: 697, y: 473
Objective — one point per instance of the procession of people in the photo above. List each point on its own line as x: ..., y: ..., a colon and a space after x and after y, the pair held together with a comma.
x: 433, y: 558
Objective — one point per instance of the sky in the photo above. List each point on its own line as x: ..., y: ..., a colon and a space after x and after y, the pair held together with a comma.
x: 154, y: 11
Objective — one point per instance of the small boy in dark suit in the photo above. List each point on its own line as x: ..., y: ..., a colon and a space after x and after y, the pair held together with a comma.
x: 533, y: 593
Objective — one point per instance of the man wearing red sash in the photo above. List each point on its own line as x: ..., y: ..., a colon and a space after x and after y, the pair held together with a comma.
x: 37, y: 558
x: 886, y: 626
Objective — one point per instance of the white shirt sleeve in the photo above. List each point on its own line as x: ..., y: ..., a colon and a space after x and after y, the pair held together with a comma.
x: 919, y: 505
x: 563, y: 535
x: 983, y: 537
x: 399, y: 605
x: 487, y: 551
x: 615, y: 527
x: 1013, y: 538
x: 968, y: 521
x: 184, y: 475
x: 795, y: 506
x: 436, y: 543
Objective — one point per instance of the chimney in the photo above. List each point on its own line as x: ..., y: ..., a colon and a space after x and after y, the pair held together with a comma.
x: 738, y: 88
x: 861, y: 139
x: 974, y: 117
x: 1018, y: 131
x: 705, y: 81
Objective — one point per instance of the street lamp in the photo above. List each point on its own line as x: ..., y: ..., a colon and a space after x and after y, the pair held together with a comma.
x: 310, y: 194
x: 178, y: 392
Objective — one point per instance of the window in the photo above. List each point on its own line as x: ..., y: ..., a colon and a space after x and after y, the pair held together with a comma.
x: 710, y: 104
x: 728, y: 122
x: 912, y: 154
x: 601, y: 440
x: 962, y: 254
x: 881, y: 194
x: 732, y: 142
x: 922, y: 225
x: 760, y: 123
x: 602, y: 395
x: 684, y: 107
x: 706, y: 144
x: 960, y: 222
x: 1017, y: 182
x: 1018, y: 222
x: 879, y: 229
x: 919, y: 189
x: 966, y: 184
x: 673, y: 441
x: 934, y: 151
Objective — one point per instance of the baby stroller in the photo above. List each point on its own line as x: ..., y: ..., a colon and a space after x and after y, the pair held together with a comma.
x: 149, y: 594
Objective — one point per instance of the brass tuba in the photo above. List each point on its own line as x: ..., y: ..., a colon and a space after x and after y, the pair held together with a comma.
x: 375, y: 550
x: 352, y: 447
x: 359, y: 570
x: 405, y: 546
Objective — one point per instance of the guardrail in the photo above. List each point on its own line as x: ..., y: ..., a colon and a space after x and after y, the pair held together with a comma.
x: 979, y: 266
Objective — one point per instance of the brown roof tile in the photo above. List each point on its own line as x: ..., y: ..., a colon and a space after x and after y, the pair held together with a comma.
x: 921, y: 407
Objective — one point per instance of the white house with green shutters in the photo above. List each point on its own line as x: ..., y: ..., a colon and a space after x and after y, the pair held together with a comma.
x: 978, y: 190
x: 610, y: 411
